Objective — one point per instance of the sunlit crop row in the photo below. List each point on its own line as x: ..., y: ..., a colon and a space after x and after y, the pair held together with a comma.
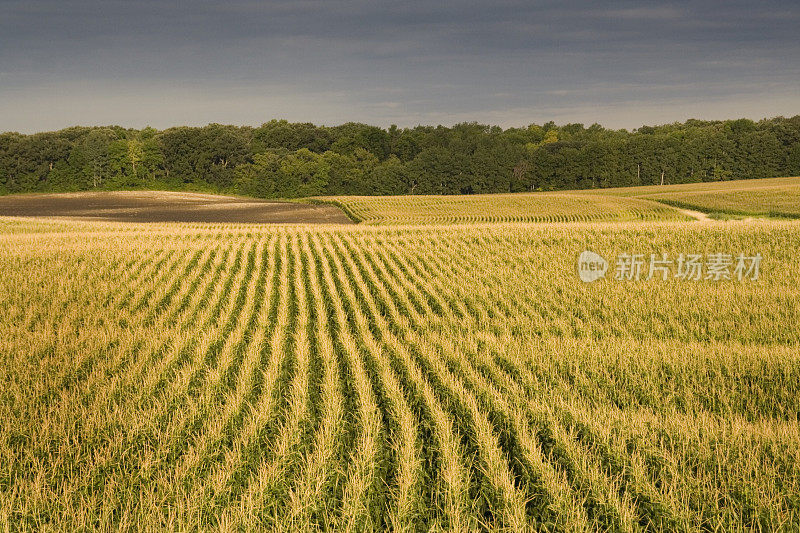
x: 772, y: 197
x: 453, y: 378
x: 482, y: 208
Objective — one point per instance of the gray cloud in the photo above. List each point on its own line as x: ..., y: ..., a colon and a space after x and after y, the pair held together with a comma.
x: 507, y: 62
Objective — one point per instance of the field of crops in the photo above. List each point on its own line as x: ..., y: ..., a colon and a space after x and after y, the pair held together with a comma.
x: 361, y: 378
x: 479, y: 208
x: 773, y: 197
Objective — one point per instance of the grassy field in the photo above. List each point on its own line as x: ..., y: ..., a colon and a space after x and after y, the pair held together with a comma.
x: 232, y: 377
x: 479, y: 208
x: 774, y: 197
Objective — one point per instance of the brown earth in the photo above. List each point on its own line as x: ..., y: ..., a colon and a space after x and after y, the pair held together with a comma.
x: 162, y: 206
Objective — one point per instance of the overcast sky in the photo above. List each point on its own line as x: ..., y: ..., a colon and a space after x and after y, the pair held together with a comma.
x: 511, y: 63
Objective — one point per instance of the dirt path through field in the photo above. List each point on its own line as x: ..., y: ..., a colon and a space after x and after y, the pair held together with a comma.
x: 699, y: 216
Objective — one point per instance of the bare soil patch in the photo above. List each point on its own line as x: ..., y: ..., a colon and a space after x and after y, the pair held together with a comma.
x: 162, y: 206
x: 697, y: 215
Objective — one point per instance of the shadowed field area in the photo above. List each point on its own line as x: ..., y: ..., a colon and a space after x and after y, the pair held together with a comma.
x: 162, y: 206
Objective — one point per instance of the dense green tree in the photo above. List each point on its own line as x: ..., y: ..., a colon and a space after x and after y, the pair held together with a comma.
x: 277, y: 134
x: 261, y: 178
x: 284, y: 159
x: 91, y: 156
x: 388, y: 177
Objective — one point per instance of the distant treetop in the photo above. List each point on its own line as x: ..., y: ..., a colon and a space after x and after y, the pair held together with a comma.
x: 284, y: 159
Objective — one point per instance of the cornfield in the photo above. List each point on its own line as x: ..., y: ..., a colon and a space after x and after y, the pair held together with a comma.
x: 481, y: 208
x: 772, y: 197
x: 194, y: 377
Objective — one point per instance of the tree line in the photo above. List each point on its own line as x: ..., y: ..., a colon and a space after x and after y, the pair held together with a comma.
x: 280, y: 159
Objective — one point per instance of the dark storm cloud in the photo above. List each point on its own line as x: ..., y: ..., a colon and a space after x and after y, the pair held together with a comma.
x: 620, y: 63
